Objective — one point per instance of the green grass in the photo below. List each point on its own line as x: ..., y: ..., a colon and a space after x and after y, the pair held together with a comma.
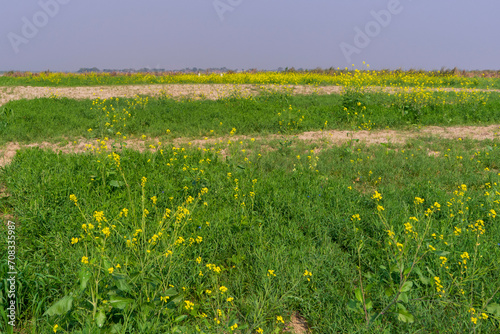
x: 54, y: 119
x: 283, y: 233
x: 300, y: 220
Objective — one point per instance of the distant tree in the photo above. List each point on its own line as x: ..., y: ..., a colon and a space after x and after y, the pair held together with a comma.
x: 87, y: 70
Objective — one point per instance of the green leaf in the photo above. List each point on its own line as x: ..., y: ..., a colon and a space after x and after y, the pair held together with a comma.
x: 494, y: 309
x: 429, y: 270
x: 116, y: 184
x: 180, y: 318
x: 179, y: 329
x: 423, y: 279
x: 171, y: 292
x: 407, y: 286
x: 242, y: 327
x: 62, y: 306
x: 120, y: 302
x: 405, y: 316
x: 121, y: 282
x: 174, y: 302
x: 403, y: 297
x: 441, y: 253
x: 100, y: 318
x: 116, y: 328
x: 389, y: 292
x: 84, y: 278
x: 359, y: 297
x: 151, y: 280
x: 352, y: 305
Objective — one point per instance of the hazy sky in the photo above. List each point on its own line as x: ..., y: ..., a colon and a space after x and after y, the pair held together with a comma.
x: 65, y: 35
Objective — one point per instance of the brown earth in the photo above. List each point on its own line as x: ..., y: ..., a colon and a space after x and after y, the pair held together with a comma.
x: 332, y: 137
x: 206, y: 91
x: 297, y: 325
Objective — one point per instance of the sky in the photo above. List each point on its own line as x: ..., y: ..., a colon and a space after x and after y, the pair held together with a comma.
x: 65, y: 35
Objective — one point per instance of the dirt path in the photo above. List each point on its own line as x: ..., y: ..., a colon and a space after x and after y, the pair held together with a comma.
x: 332, y: 137
x: 208, y: 91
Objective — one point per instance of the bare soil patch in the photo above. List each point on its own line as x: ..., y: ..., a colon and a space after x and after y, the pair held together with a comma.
x: 297, y: 325
x: 195, y: 91
x: 332, y: 137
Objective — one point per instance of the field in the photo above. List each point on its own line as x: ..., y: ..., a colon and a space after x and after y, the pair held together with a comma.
x: 353, y: 202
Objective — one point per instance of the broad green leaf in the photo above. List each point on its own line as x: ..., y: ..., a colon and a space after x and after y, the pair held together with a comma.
x: 403, y: 297
x: 120, y: 302
x: 106, y: 262
x: 174, y: 302
x: 100, y: 318
x: 171, y: 292
x: 405, y: 316
x: 494, y: 309
x: 180, y: 318
x: 357, y: 292
x: 407, y: 286
x: 84, y: 278
x: 389, y: 292
x: 116, y: 184
x: 62, y: 306
x: 121, y: 282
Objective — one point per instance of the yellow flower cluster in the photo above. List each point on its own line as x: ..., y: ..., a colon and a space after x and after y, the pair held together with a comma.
x: 356, y: 217
x: 477, y: 227
x: 189, y: 305
x: 439, y: 286
x: 99, y: 216
x: 418, y: 200
x: 214, y: 268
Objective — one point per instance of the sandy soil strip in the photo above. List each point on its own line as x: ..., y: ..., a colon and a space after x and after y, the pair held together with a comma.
x: 207, y: 91
x: 332, y: 137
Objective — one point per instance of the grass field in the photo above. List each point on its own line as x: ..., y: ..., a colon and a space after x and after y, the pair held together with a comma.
x: 271, y: 113
x: 199, y: 216
x: 340, y: 77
